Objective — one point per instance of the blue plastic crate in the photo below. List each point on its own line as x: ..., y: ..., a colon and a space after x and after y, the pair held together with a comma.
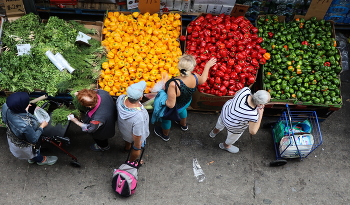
x: 347, y: 19
x: 338, y: 9
x: 340, y: 2
x: 335, y: 18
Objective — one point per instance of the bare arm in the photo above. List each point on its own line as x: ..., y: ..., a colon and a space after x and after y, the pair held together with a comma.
x: 77, y: 122
x: 170, y: 102
x: 137, y: 144
x: 254, y: 126
x: 202, y: 78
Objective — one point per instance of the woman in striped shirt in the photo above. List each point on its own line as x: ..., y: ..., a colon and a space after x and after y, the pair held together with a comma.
x: 243, y: 110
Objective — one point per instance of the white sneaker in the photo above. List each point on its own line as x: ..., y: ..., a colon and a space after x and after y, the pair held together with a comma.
x: 232, y: 149
x: 212, y: 134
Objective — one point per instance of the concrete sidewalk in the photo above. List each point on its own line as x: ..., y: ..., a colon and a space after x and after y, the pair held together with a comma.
x: 167, y: 175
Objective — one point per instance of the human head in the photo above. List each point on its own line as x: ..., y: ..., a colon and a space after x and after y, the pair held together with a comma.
x: 18, y: 102
x: 186, y: 64
x: 261, y: 97
x: 87, y: 97
x: 135, y: 91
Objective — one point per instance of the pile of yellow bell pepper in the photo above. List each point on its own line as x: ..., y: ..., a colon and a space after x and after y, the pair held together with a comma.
x: 139, y: 47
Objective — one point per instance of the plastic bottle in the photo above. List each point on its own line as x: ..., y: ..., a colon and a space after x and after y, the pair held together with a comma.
x: 198, y: 171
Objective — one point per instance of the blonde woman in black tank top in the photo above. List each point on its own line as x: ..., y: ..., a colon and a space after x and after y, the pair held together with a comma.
x: 181, y: 96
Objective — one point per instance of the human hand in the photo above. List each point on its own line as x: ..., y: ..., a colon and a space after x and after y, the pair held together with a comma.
x: 211, y: 62
x: 70, y: 117
x: 260, y: 109
x: 44, y: 124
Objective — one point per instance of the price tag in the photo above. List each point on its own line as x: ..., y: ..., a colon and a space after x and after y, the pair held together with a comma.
x: 82, y: 38
x: 23, y: 49
x: 14, y: 6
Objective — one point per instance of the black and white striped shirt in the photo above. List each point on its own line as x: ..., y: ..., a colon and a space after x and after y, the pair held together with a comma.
x: 236, y: 112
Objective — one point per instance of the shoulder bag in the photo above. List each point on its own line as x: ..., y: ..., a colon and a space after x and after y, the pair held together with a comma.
x: 172, y: 113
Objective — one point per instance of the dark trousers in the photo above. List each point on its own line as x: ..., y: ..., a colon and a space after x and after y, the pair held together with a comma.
x: 39, y: 157
x: 101, y: 143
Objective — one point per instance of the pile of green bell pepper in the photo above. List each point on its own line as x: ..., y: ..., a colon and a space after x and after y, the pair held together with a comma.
x: 304, y: 64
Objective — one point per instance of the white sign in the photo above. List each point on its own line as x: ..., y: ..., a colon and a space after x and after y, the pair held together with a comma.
x: 23, y: 49
x: 82, y: 37
x: 201, y: 8
x: 214, y: 9
x: 226, y: 9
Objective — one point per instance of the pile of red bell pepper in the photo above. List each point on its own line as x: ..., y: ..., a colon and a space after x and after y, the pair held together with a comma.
x: 234, y: 42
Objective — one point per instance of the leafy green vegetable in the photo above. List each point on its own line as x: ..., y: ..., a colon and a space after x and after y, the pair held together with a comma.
x: 2, y: 101
x: 35, y: 71
x: 59, y: 115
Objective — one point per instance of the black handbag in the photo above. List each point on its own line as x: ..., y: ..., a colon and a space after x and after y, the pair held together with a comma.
x: 172, y: 113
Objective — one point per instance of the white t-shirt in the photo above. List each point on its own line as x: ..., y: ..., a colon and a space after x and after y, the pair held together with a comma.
x: 236, y: 112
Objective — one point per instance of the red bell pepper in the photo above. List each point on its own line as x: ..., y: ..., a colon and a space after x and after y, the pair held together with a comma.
x: 234, y: 27
x: 239, y: 85
x: 226, y: 77
x: 254, y: 29
x: 233, y: 75
x: 211, y: 81
x: 262, y: 61
x: 254, y: 62
x: 238, y: 68
x: 231, y: 93
x: 217, y: 86
x: 231, y: 61
x: 259, y: 40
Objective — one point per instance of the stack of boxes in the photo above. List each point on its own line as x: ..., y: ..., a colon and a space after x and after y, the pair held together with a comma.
x: 200, y: 6
x: 214, y: 6
x: 177, y: 5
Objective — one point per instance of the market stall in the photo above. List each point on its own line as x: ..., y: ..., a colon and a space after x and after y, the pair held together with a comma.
x: 295, y: 59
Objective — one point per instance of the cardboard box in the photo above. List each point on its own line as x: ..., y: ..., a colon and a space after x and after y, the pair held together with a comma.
x: 149, y: 6
x: 214, y: 9
x: 208, y: 102
x: 316, y: 9
x: 239, y: 10
x: 200, y: 8
x: 132, y: 4
x: 177, y: 5
x: 170, y: 4
x: 97, y: 25
x: 218, y: 2
x: 14, y: 9
x: 186, y: 5
x: 226, y: 9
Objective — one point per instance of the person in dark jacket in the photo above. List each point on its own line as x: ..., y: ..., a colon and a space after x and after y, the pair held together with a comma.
x: 24, y: 130
x: 100, y: 118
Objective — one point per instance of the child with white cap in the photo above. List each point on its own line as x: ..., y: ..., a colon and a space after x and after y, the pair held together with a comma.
x: 133, y: 118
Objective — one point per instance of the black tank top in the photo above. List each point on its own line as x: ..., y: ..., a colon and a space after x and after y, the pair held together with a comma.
x: 186, y: 92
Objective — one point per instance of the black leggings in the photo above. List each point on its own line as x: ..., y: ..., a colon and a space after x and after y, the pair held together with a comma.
x: 101, y: 143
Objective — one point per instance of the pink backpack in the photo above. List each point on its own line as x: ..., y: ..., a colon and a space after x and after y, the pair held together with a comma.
x: 124, y: 180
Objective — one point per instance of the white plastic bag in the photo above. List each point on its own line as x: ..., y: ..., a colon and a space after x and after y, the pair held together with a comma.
x: 160, y: 84
x: 293, y: 148
x: 41, y: 115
